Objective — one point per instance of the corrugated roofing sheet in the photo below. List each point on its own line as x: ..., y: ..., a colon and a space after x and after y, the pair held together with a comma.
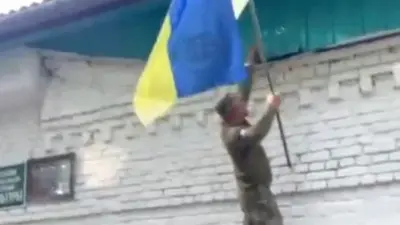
x: 15, y: 6
x: 46, y: 14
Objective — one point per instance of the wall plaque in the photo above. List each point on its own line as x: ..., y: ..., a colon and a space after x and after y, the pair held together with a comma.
x: 12, y: 185
x: 51, y: 179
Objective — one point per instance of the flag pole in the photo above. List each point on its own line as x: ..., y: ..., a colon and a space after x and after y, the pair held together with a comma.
x: 260, y: 47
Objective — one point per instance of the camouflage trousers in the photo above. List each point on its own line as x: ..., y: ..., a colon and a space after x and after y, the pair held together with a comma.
x: 259, y: 206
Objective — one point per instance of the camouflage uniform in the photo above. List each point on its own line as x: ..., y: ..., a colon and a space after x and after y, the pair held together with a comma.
x: 251, y: 165
x: 253, y: 177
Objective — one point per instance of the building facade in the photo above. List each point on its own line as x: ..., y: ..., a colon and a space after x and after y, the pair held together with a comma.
x: 340, y: 113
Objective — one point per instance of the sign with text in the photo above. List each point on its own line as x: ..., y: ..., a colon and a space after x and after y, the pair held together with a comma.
x: 12, y: 185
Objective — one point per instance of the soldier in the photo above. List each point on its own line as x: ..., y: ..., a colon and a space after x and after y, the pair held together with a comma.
x: 243, y: 143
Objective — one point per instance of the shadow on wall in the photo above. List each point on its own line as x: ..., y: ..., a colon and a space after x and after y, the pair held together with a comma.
x: 21, y: 93
x: 33, y: 89
x: 80, y: 85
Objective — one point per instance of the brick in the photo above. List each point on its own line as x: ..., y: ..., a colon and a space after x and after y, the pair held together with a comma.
x: 365, y: 139
x: 201, y: 118
x: 347, y: 151
x: 317, y: 166
x: 384, y: 126
x: 302, y: 120
x: 319, y: 185
x: 176, y: 122
x: 315, y: 83
x: 338, y: 66
x: 320, y: 175
x: 199, y: 189
x: 306, y: 98
x: 306, y: 186
x: 278, y: 161
x: 353, y: 63
x: 368, y: 179
x: 332, y: 164
x: 204, y: 171
x: 344, y: 76
x: 365, y: 83
x: 305, y: 72
x: 352, y: 171
x: 298, y: 178
x: 370, y: 59
x: 363, y: 160
x: 384, y: 167
x: 315, y: 156
x: 396, y: 75
x: 394, y: 156
x: 343, y: 182
x: 218, y: 197
x: 151, y: 194
x: 350, y: 131
x: 318, y: 126
x: 320, y: 145
x: 380, y: 145
x: 334, y: 92
x: 301, y: 168
x: 389, y: 56
x: 385, y: 177
x: 336, y: 114
x: 348, y: 142
x: 102, y: 133
x: 287, y: 188
x: 342, y: 122
x: 229, y: 186
x: 380, y: 158
x: 346, y: 162
x: 175, y: 201
x: 282, y: 170
x: 175, y: 192
x: 377, y: 70
x: 276, y: 188
x: 224, y: 169
x: 322, y: 69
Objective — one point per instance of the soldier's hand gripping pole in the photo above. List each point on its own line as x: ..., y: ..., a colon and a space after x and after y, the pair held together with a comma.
x: 260, y: 47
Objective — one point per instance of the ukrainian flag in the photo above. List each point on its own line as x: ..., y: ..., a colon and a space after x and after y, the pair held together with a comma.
x: 198, y: 48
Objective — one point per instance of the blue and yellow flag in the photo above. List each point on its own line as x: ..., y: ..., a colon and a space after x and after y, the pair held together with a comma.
x: 198, y: 48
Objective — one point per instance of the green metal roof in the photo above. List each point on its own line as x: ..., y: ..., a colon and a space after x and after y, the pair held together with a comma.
x: 289, y: 26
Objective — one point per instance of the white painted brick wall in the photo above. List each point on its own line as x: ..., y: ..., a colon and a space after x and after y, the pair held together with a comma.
x: 340, y: 113
x: 21, y: 89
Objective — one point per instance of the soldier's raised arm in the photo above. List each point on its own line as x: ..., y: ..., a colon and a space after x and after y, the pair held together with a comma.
x: 245, y: 87
x: 259, y: 130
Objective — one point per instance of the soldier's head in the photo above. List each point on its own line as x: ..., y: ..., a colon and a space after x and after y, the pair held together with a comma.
x: 232, y: 109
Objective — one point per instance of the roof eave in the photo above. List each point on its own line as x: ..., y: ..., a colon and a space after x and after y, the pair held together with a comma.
x: 53, y: 13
